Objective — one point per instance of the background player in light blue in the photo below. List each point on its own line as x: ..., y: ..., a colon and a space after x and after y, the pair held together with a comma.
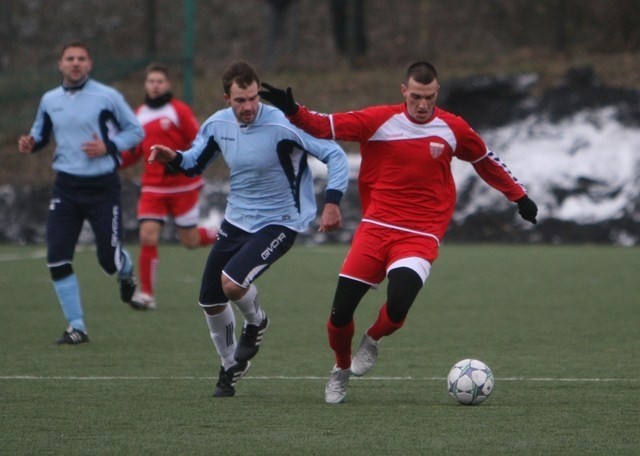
x: 92, y: 124
x: 270, y: 201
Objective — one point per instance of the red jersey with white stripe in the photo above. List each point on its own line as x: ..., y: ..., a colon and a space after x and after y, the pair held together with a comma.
x: 173, y: 125
x: 405, y: 179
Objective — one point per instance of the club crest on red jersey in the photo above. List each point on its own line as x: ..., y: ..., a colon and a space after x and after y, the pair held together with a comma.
x: 165, y: 123
x: 436, y: 149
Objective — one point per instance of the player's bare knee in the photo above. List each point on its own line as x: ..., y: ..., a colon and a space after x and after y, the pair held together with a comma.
x: 146, y: 240
x: 149, y: 232
x: 232, y: 290
x: 189, y: 242
x: 189, y: 238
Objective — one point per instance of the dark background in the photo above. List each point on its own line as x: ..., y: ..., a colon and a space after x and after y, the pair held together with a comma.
x: 578, y: 53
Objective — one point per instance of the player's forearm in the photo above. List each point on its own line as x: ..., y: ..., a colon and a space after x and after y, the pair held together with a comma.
x: 317, y: 125
x: 497, y: 175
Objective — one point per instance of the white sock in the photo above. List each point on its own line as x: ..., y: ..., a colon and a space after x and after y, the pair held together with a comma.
x: 222, y: 330
x: 250, y: 307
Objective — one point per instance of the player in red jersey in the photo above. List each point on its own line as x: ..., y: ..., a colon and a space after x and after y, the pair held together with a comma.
x: 169, y: 122
x: 408, y: 197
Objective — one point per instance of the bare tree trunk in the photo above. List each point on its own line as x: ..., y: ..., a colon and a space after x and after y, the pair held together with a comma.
x: 560, y: 43
x: 151, y: 25
x: 6, y: 33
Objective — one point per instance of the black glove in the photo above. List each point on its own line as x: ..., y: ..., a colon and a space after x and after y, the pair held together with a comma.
x: 283, y: 100
x: 527, y: 209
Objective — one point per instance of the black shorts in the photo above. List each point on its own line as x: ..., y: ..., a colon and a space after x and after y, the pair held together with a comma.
x: 243, y: 257
x: 76, y: 199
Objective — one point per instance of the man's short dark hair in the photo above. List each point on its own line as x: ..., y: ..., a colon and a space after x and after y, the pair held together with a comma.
x: 241, y: 73
x: 422, y: 72
x: 75, y: 44
x: 155, y: 67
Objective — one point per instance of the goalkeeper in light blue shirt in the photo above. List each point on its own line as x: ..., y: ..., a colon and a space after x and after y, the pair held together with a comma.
x: 92, y: 124
x: 270, y: 201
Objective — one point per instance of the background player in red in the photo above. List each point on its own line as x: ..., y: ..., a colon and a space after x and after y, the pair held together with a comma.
x: 408, y: 197
x: 164, y: 194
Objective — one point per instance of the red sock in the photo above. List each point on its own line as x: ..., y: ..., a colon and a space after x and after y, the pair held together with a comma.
x: 340, y: 343
x: 383, y: 325
x: 148, y: 263
x: 208, y: 236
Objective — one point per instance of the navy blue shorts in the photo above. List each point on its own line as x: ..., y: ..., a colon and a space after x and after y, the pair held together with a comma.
x: 243, y: 257
x: 76, y: 199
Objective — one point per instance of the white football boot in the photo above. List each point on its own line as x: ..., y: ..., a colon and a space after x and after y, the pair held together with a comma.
x: 336, y: 389
x: 365, y: 356
x: 143, y: 301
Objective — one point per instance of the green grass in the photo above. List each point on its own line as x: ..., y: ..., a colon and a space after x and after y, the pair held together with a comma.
x: 558, y: 325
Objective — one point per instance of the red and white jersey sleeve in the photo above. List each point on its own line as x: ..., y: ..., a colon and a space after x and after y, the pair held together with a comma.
x: 405, y: 179
x: 173, y: 125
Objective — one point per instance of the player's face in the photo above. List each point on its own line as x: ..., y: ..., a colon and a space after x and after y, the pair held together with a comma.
x: 420, y: 98
x: 156, y: 84
x: 244, y: 102
x: 75, y: 65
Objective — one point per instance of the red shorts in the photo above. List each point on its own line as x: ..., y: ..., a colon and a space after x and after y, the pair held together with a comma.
x: 375, y: 248
x: 182, y: 207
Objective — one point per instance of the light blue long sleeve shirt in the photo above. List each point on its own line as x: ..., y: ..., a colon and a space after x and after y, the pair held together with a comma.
x: 74, y: 116
x: 271, y: 183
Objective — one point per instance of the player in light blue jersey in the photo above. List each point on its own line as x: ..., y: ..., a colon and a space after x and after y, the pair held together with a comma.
x: 270, y: 201
x: 92, y: 124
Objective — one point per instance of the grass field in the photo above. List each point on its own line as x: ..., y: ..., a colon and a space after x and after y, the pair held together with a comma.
x: 558, y: 325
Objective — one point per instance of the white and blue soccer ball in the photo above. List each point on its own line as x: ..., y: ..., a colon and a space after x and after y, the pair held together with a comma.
x: 470, y: 382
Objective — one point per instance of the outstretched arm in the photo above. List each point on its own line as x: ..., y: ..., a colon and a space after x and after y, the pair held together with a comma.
x: 162, y: 154
x: 349, y: 126
x: 527, y: 209
x: 191, y: 162
x: 281, y: 99
x: 494, y: 172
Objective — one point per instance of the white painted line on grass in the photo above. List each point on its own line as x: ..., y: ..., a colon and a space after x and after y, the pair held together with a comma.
x: 39, y: 254
x: 35, y: 255
x: 284, y: 377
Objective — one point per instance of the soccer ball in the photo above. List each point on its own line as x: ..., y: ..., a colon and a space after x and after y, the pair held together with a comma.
x: 470, y: 381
